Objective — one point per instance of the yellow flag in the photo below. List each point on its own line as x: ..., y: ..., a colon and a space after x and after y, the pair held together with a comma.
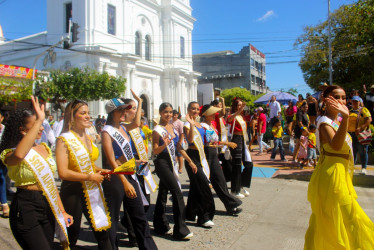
x: 128, y: 166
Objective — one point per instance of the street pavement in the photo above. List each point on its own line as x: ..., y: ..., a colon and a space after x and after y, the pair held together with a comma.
x: 275, y: 215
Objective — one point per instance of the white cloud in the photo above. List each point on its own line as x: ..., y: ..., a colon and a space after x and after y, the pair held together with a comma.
x: 267, y: 15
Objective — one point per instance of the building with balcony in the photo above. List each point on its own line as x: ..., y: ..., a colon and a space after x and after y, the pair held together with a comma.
x: 225, y: 69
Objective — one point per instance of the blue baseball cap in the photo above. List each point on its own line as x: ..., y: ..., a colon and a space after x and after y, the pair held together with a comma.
x: 114, y: 104
x: 356, y: 98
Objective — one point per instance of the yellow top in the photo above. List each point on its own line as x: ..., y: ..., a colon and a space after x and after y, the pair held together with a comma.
x: 20, y: 173
x: 313, y: 139
x: 352, y: 120
x: 337, y: 220
x: 279, y: 133
x: 94, y: 155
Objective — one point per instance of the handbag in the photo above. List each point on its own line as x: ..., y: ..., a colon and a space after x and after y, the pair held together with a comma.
x: 364, y: 137
x: 227, y: 153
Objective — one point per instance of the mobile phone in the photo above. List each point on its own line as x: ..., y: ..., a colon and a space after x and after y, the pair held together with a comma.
x: 141, y: 168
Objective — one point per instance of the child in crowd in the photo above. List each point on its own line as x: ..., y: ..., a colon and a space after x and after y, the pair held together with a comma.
x: 302, y: 156
x: 312, y: 142
x: 277, y: 133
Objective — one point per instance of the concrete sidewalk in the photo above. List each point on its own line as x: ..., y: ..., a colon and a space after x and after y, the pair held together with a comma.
x: 289, y: 170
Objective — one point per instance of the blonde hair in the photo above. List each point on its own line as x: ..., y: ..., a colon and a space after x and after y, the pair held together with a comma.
x: 70, y: 111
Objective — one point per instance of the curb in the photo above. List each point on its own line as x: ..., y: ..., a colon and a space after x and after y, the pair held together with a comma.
x: 359, y: 180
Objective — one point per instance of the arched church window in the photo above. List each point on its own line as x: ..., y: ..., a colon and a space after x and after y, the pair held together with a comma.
x: 138, y: 43
x: 148, y: 48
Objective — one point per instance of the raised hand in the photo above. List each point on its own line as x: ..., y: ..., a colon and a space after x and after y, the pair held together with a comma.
x: 137, y: 98
x: 190, y: 119
x: 337, y: 106
x: 39, y: 110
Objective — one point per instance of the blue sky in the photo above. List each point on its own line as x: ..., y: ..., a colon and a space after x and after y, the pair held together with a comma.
x: 272, y: 26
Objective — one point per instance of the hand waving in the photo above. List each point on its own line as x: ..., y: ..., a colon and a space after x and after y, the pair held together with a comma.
x: 337, y: 106
x: 137, y: 98
x: 39, y: 110
x: 190, y: 119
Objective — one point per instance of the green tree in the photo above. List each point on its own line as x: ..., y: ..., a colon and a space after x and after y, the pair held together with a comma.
x: 85, y: 84
x: 291, y: 91
x: 244, y: 94
x: 13, y: 91
x: 352, y: 47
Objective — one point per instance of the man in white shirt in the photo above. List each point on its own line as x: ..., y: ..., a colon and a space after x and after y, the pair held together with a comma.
x: 57, y: 128
x: 275, y: 108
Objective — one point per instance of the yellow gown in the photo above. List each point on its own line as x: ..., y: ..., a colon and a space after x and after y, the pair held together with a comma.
x: 337, y: 220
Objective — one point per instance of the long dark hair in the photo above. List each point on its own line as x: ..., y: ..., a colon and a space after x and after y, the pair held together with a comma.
x: 234, y: 105
x: 12, y: 133
x: 163, y: 106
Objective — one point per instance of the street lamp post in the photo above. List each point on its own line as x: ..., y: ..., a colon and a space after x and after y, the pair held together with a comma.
x: 330, y: 53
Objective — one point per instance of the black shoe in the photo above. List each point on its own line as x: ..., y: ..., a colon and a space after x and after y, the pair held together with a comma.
x: 234, y: 211
x: 133, y: 242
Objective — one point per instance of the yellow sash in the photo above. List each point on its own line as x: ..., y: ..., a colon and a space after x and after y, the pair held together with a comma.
x: 140, y: 148
x: 223, y: 134
x: 96, y: 204
x: 198, y: 142
x: 243, y: 125
x: 42, y: 172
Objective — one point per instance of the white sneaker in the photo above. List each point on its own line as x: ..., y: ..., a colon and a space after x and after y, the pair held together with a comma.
x: 245, y: 192
x: 363, y: 171
x: 209, y: 223
x: 188, y: 236
x: 272, y: 159
x: 169, y: 232
x: 238, y: 195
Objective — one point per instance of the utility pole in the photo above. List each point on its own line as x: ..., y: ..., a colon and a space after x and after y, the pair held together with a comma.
x: 330, y: 52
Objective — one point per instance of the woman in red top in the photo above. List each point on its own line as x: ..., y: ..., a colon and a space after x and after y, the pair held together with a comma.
x: 241, y: 153
x: 290, y: 113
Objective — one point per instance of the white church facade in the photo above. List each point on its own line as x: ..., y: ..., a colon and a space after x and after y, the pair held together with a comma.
x: 148, y: 42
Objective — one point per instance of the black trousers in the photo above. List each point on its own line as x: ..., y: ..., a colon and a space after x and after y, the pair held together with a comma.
x: 164, y: 170
x: 72, y: 197
x: 31, y: 220
x: 200, y: 200
x: 115, y: 196
x: 226, y: 167
x: 218, y: 180
x: 240, y: 179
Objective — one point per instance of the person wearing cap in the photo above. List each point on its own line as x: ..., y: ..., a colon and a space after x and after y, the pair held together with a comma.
x: 212, y: 143
x: 240, y: 154
x: 359, y: 120
x: 81, y: 191
x: 123, y: 188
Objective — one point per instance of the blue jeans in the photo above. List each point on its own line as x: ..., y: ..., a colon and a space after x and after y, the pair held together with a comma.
x: 261, y: 143
x: 362, y: 150
x: 3, y: 172
x: 278, y: 143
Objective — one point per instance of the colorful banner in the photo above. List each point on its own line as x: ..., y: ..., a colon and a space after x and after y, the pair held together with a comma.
x: 14, y: 71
